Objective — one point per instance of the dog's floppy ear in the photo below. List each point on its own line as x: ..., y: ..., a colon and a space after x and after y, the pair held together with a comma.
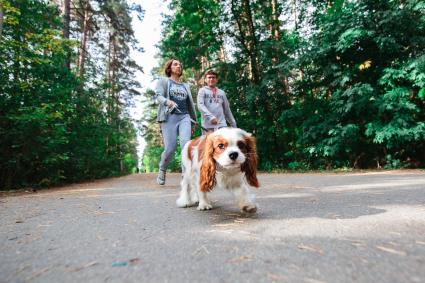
x: 250, y: 164
x: 208, y: 167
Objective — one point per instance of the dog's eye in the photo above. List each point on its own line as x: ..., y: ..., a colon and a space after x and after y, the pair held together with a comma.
x: 221, y: 146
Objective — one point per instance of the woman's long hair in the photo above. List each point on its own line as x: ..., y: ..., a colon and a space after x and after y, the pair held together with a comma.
x: 167, y: 68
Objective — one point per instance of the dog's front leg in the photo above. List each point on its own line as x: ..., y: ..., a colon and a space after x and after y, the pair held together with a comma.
x: 184, y: 198
x: 204, y: 204
x: 244, y: 199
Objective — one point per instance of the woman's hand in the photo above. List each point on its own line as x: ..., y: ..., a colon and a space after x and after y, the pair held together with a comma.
x: 171, y: 104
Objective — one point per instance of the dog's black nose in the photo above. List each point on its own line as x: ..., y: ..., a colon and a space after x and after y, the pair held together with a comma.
x: 233, y: 155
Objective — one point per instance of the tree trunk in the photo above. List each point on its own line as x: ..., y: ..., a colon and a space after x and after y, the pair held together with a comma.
x: 222, y: 56
x: 109, y: 67
x: 275, y: 20
x: 1, y: 18
x: 116, y: 99
x: 197, y: 75
x: 83, y: 43
x: 274, y: 31
x: 247, y: 38
x: 66, y: 24
x: 252, y: 42
x: 276, y: 37
x: 205, y: 64
x: 294, y: 9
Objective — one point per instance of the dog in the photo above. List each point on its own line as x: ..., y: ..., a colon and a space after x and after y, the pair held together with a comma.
x: 226, y: 158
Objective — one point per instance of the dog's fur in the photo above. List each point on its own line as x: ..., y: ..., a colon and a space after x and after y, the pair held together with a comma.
x: 226, y: 158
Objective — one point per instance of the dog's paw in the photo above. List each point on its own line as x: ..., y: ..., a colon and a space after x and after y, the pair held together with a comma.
x: 204, y: 206
x: 194, y: 199
x: 183, y: 202
x: 250, y: 208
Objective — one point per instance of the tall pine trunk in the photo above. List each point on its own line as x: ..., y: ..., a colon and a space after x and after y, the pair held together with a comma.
x: 247, y: 37
x: 66, y: 25
x: 84, y: 39
x: 109, y: 82
x: 294, y: 11
x: 252, y: 41
x: 1, y: 18
x: 275, y: 20
x: 276, y: 38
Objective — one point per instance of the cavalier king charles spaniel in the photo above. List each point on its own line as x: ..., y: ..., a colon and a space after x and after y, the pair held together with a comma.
x: 227, y: 159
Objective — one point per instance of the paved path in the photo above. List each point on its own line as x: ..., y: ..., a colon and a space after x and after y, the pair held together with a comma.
x: 365, y: 227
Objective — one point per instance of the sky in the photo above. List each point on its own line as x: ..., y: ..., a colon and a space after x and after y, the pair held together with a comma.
x: 148, y: 33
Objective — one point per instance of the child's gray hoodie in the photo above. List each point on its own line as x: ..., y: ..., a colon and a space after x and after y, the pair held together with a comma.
x: 214, y: 106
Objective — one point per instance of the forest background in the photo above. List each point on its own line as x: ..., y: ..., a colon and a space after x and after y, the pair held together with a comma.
x: 320, y: 84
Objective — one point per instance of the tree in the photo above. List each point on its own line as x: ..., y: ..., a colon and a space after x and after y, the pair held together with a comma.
x: 321, y: 84
x: 35, y: 103
x: 346, y: 86
x: 63, y: 122
x: 1, y: 18
x: 197, y: 32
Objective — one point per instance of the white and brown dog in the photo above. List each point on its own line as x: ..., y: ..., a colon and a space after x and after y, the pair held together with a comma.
x: 226, y: 158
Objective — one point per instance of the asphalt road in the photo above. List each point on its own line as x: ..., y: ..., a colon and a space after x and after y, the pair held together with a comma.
x: 363, y: 227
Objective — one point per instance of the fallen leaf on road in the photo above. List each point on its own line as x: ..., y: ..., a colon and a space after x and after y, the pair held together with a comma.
x: 358, y: 243
x: 240, y: 259
x: 310, y: 248
x: 390, y: 250
x: 36, y: 274
x: 232, y: 214
x: 134, y: 261
x: 82, y: 267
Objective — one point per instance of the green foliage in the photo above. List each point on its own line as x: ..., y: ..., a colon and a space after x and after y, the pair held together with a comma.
x: 152, y: 156
x: 54, y: 128
x: 343, y: 86
x: 202, y: 37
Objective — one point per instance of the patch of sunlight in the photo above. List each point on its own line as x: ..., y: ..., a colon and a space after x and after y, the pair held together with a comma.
x: 283, y: 195
x: 58, y: 192
x: 86, y: 190
x: 395, y: 220
x: 284, y: 186
x: 132, y: 194
x: 387, y: 185
x: 365, y: 65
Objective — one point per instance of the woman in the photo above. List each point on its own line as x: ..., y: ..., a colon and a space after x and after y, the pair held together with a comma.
x: 175, y: 111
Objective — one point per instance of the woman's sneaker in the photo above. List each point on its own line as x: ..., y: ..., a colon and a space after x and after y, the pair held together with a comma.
x: 161, y: 177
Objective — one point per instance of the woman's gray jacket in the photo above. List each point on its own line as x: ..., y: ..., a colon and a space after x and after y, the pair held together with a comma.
x: 162, y: 95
